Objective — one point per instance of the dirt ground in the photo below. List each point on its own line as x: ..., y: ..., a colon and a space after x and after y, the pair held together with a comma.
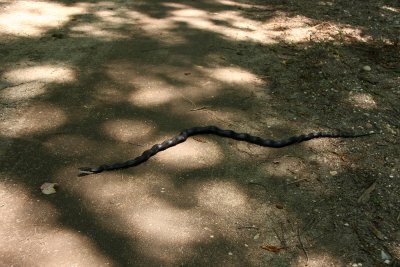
x: 83, y: 83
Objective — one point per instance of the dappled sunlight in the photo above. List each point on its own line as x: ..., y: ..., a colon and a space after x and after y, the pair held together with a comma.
x: 125, y: 130
x: 362, y: 100
x: 96, y: 30
x: 33, y: 119
x: 62, y: 247
x: 150, y: 89
x: 327, y: 152
x: 150, y: 97
x: 30, y: 226
x: 135, y: 207
x: 322, y: 144
x: 165, y: 224
x: 300, y: 29
x: 233, y: 25
x: 191, y: 154
x: 87, y: 83
x: 223, y: 198
x: 167, y: 233
x: 320, y: 259
x: 239, y: 4
x: 20, y: 208
x: 33, y: 18
x: 43, y: 73
x: 23, y: 91
x: 163, y: 28
x: 109, y: 93
x: 239, y: 28
x: 233, y: 75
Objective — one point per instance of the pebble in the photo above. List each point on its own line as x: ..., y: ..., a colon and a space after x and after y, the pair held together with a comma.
x: 256, y: 236
x: 230, y: 253
x: 333, y: 173
x: 385, y: 256
x: 367, y: 68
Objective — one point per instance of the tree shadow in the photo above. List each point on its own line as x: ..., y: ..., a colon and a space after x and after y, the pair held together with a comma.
x: 283, y: 100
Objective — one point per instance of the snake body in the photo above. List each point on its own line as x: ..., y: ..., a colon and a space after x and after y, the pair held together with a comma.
x: 215, y: 131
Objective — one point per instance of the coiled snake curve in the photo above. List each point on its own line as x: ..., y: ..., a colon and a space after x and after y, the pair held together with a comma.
x: 215, y: 131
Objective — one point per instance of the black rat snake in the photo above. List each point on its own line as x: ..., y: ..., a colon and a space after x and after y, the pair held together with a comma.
x: 216, y: 131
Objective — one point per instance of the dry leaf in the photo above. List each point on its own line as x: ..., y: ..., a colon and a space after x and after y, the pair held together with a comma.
x: 49, y: 188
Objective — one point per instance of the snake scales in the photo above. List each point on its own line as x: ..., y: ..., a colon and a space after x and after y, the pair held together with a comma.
x: 215, y: 131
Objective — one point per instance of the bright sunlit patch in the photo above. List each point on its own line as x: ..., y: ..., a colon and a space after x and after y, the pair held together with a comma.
x: 100, y: 30
x: 150, y: 97
x: 31, y: 120
x: 192, y: 154
x: 362, y: 100
x: 23, y: 91
x: 222, y: 197
x: 32, y: 18
x: 233, y: 75
x: 128, y: 130
x: 319, y: 259
x: 166, y: 224
x: 238, y: 4
x: 44, y: 73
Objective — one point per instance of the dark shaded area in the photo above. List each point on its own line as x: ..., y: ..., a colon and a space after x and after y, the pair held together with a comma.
x: 307, y: 83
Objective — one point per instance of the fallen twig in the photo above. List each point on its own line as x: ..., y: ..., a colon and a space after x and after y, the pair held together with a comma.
x: 248, y: 227
x: 201, y: 108
x: 301, y: 244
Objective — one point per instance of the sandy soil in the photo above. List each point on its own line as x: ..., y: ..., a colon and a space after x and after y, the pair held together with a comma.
x: 92, y: 82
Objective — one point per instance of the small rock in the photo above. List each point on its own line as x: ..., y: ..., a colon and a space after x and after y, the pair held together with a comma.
x: 230, y: 253
x: 385, y: 257
x: 366, y: 68
x: 333, y: 173
x: 257, y: 236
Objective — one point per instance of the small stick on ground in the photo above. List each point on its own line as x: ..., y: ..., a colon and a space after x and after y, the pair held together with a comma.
x: 302, y: 245
x: 248, y: 227
x: 196, y: 109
